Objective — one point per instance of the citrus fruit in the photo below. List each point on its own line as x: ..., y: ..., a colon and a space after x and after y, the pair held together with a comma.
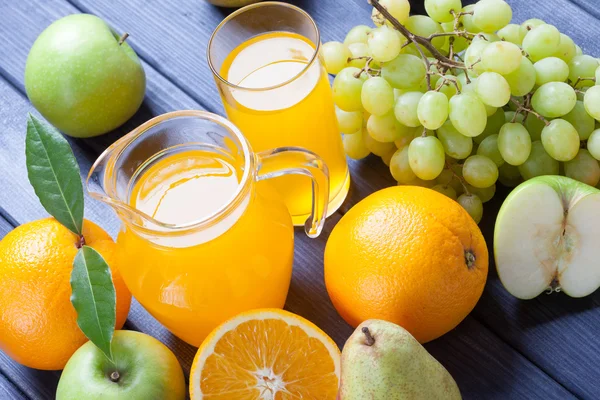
x: 408, y: 255
x: 38, y: 324
x: 266, y: 354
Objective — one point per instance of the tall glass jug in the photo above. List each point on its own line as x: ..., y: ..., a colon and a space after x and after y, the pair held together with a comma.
x: 203, y: 236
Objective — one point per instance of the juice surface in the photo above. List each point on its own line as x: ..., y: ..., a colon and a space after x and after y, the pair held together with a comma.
x: 193, y: 288
x: 296, y: 113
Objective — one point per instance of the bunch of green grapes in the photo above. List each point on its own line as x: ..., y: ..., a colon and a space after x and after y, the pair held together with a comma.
x: 487, y: 101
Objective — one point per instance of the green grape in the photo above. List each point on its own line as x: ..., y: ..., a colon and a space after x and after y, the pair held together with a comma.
x: 376, y: 147
x: 554, y: 99
x: 400, y: 167
x: 406, y: 108
x: 424, y: 26
x: 358, y: 34
x: 593, y: 144
x: 581, y: 120
x: 355, y: 145
x: 387, y: 156
x: 489, y: 149
x: 347, y: 88
x: 514, y: 143
x: 447, y: 87
x: 358, y: 50
x: 384, y: 44
x: 560, y: 140
x: 566, y: 48
x: 446, y: 190
x: 349, y: 121
x: 539, y: 163
x: 485, y: 194
x: 541, y: 42
x: 480, y: 171
x: 513, y: 116
x: 377, y: 96
x: 456, y: 145
x: 522, y: 80
x: 591, y: 101
x: 404, y: 72
x: 532, y: 23
x: 493, y: 89
x: 578, y: 51
x: 494, y: 123
x: 422, y: 183
x: 335, y: 56
x: 384, y: 128
x: 551, y: 69
x: 491, y: 15
x: 439, y: 10
x: 470, y: 89
x: 501, y: 57
x: 432, y: 110
x: 534, y: 127
x: 445, y: 177
x: 509, y: 175
x: 468, y: 114
x: 472, y: 205
x: 467, y: 19
x: 473, y: 56
x: 399, y: 9
x: 583, y: 66
x: 512, y: 33
x: 581, y: 93
x: 406, y: 135
x: 486, y: 37
x: 583, y: 168
x: 426, y: 157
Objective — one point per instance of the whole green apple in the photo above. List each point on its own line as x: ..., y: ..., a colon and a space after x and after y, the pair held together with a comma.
x: 81, y: 78
x: 144, y: 369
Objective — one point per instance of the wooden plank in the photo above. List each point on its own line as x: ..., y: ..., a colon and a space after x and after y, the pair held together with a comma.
x: 309, y: 259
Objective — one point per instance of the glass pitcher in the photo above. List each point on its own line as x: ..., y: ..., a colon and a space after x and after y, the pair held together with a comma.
x: 203, y: 236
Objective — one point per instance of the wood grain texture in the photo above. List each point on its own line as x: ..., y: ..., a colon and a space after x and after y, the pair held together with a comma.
x: 171, y: 36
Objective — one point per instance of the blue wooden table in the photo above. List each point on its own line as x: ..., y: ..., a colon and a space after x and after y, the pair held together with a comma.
x: 547, y: 348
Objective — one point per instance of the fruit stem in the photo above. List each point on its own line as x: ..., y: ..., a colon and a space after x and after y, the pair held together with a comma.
x: 123, y: 38
x: 470, y: 259
x: 80, y: 242
x: 370, y: 338
x: 114, y: 376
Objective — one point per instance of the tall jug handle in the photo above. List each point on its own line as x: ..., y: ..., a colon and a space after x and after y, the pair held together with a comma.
x: 296, y: 160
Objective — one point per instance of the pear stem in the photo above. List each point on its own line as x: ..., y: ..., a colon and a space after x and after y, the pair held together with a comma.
x: 123, y: 38
x: 114, y: 376
x: 370, y: 338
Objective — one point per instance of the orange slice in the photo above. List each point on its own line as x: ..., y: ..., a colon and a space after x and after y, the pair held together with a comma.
x: 267, y: 354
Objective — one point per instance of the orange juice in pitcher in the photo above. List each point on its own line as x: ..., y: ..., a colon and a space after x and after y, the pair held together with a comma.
x: 274, y: 87
x: 203, y: 238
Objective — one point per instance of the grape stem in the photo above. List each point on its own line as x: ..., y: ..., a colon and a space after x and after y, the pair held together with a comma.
x: 446, y: 80
x: 459, y: 178
x: 580, y: 79
x: 527, y: 109
x: 416, y: 39
x: 367, y: 68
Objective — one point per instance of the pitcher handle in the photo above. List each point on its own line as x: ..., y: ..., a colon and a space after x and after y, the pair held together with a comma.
x: 297, y: 160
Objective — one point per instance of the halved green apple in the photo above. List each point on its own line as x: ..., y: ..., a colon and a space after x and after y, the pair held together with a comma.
x: 547, y: 238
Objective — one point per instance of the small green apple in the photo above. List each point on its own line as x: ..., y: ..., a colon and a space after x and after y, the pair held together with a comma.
x: 81, y: 78
x: 144, y: 369
x: 546, y: 238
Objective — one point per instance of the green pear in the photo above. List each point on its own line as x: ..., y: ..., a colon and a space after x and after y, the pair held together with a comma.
x: 383, y: 361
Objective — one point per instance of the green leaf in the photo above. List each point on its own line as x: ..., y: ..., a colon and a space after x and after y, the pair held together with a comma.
x: 94, y: 298
x: 54, y: 174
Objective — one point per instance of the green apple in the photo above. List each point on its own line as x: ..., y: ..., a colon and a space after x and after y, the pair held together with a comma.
x: 232, y: 3
x: 82, y: 78
x: 144, y: 369
x: 546, y: 238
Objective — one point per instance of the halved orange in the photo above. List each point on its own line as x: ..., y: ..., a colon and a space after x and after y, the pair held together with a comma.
x: 267, y: 354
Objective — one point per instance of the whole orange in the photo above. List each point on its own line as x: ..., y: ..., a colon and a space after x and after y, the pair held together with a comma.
x: 38, y: 324
x: 408, y: 255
